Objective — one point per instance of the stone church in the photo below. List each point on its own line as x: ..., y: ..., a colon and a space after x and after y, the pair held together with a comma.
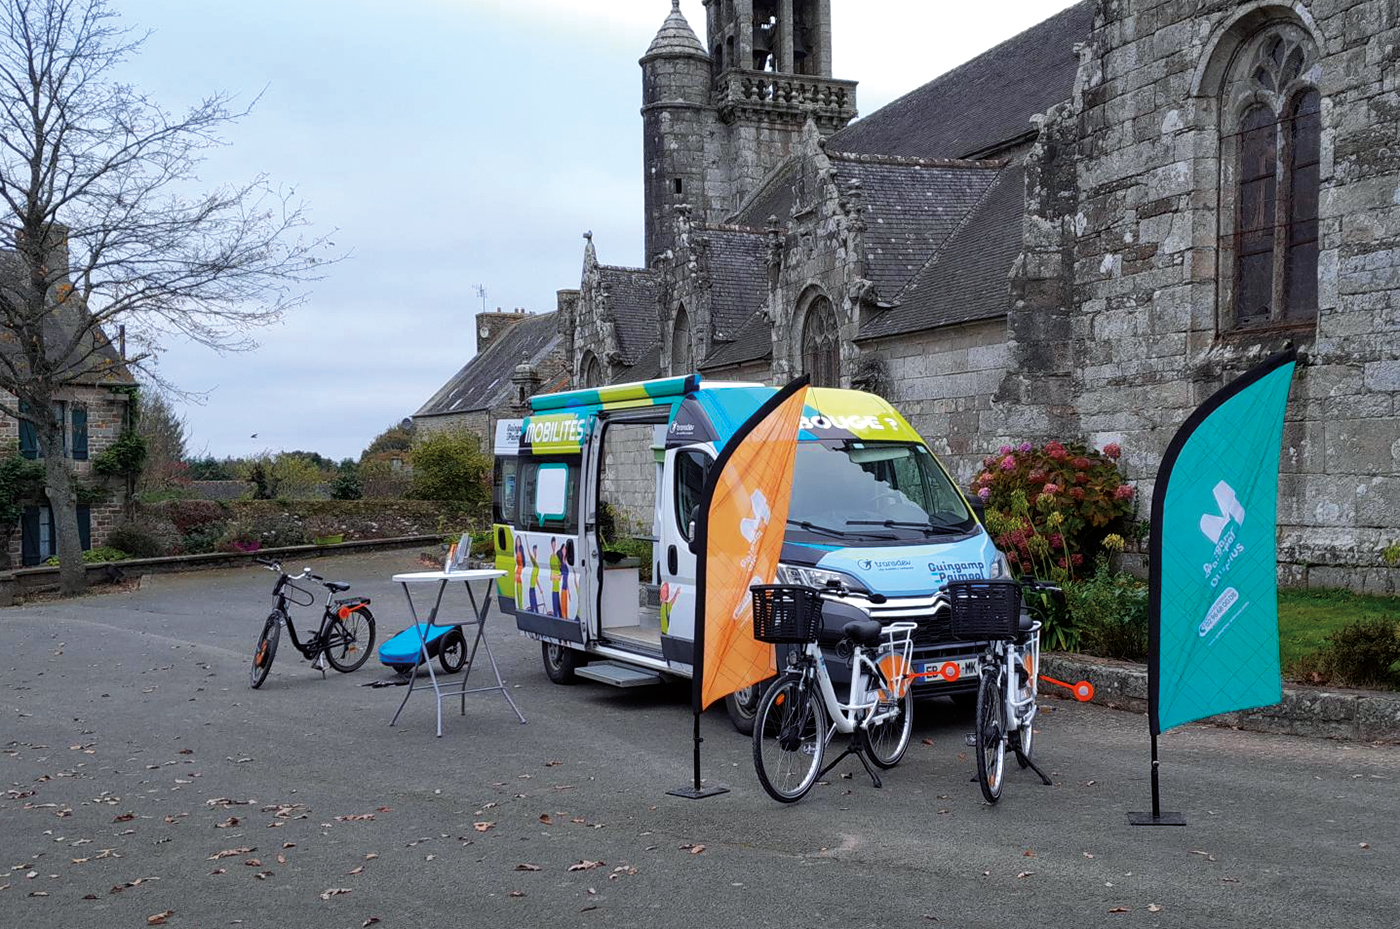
x: 1081, y: 233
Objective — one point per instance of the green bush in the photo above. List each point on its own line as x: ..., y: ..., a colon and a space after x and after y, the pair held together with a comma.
x: 138, y: 541
x: 96, y: 556
x: 263, y: 531
x: 449, y: 465
x: 1109, y: 611
x: 1365, y: 653
x: 202, y: 539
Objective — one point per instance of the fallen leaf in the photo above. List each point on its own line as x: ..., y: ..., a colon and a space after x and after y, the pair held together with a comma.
x: 219, y: 871
x: 158, y: 919
x: 369, y: 922
x: 371, y: 856
x: 1025, y: 874
x: 552, y: 764
x: 586, y: 865
x: 334, y: 892
x: 228, y: 823
x: 1154, y: 908
x: 483, y: 826
x: 124, y: 818
x: 516, y: 893
x: 356, y: 870
x: 1365, y: 844
x: 693, y: 849
x: 527, y: 867
x: 254, y: 862
x: 355, y: 818
x: 928, y: 742
x: 384, y: 809
x: 281, y: 858
x: 1119, y: 909
x: 263, y: 875
x: 229, y: 852
x: 546, y: 819
x: 1028, y: 853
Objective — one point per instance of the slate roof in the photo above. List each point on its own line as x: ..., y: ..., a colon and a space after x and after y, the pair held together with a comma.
x: 632, y: 300
x: 675, y: 37
x: 484, y: 381
x: 772, y: 198
x: 982, y: 103
x: 101, y: 361
x: 966, y: 278
x: 911, y: 207
x: 646, y: 367
x: 738, y: 260
x: 752, y: 342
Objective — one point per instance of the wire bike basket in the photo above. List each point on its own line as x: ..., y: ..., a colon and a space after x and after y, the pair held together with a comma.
x: 786, y: 613
x: 985, y: 609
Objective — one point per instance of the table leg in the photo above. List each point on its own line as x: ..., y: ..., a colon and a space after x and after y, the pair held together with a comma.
x: 480, y: 613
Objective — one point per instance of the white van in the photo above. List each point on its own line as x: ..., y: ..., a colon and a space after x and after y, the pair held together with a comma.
x: 596, y: 511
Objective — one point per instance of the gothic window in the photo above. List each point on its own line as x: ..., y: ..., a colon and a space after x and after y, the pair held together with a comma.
x: 590, y: 371
x: 821, y: 345
x: 682, y: 359
x: 1270, y: 160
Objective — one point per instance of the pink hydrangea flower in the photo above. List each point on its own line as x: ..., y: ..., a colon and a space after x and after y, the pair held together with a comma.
x: 1008, y: 463
x: 984, y: 493
x: 1081, y: 463
x: 1057, y: 453
x: 1004, y: 450
x: 1052, y: 488
x: 1113, y: 450
x: 1124, y: 492
x: 1024, y: 447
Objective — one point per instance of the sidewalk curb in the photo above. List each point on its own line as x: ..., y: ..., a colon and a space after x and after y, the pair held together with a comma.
x: 1316, y: 712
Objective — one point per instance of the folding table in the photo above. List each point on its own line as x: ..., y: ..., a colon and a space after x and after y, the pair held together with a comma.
x: 442, y: 578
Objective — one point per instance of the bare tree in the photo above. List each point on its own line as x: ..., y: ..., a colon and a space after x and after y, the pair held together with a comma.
x: 97, y: 185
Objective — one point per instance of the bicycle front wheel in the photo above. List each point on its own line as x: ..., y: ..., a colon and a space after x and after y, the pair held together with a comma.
x: 991, y: 735
x: 265, y: 651
x: 886, y: 741
x: 789, y: 738
x: 350, y: 639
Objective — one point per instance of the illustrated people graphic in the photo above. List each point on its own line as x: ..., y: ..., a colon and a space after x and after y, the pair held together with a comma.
x: 566, y: 555
x: 556, y: 574
x: 669, y: 595
x: 519, y: 571
x: 534, y: 578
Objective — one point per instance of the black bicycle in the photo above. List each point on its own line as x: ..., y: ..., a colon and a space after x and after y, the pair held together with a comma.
x: 346, y: 636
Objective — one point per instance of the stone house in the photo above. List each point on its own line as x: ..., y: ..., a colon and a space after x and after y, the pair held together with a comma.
x: 1078, y: 234
x: 94, y: 408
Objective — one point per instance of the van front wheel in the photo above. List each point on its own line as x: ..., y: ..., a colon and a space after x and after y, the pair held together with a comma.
x: 560, y: 662
x: 742, y: 705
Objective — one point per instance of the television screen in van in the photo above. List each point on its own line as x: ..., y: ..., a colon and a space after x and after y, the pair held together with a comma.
x: 874, y: 492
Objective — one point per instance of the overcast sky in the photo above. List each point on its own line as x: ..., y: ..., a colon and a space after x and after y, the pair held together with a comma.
x: 449, y: 144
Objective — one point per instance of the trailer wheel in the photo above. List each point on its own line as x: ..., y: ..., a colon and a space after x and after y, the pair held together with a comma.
x: 560, y: 662
x: 742, y: 705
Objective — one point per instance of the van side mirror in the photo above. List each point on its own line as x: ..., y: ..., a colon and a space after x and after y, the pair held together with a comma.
x: 978, y: 505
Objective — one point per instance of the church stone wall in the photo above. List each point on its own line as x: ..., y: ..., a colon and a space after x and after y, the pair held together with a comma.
x: 1149, y: 332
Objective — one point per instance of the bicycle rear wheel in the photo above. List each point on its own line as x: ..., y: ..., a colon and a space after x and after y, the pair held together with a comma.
x: 350, y: 640
x: 265, y: 650
x: 885, y: 742
x: 991, y: 735
x: 789, y: 738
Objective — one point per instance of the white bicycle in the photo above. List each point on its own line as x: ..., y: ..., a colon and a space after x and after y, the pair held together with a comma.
x: 993, y: 611
x: 800, y: 712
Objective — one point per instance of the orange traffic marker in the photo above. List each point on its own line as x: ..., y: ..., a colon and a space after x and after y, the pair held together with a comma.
x: 1083, y: 691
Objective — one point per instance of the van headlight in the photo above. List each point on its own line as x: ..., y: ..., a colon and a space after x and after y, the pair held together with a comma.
x: 1000, y: 567
x: 816, y: 577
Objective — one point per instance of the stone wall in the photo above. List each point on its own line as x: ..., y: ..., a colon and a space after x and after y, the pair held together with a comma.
x: 1151, y: 331
x: 942, y: 381
x: 629, y: 477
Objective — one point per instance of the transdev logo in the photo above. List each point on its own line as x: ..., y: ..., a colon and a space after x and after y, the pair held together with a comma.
x: 1228, y: 598
x: 1230, y: 508
x: 884, y: 564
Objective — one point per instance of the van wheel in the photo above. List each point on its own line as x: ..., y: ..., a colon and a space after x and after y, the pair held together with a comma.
x: 742, y: 705
x: 560, y: 662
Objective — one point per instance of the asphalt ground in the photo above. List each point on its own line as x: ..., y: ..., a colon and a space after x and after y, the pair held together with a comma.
x: 141, y: 776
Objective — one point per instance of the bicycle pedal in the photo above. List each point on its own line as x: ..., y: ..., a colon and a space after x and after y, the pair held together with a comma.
x: 970, y: 740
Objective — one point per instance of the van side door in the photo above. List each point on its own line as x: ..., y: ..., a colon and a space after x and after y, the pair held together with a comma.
x: 683, y: 482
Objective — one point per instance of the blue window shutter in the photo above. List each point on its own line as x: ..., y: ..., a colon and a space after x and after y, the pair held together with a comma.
x: 80, y: 432
x: 29, y: 536
x: 84, y: 526
x: 28, y: 437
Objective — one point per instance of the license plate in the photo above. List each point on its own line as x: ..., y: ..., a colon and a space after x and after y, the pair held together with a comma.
x: 966, y: 668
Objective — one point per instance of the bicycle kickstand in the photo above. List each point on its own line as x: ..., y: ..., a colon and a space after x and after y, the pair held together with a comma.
x: 854, y: 749
x: 1032, y: 765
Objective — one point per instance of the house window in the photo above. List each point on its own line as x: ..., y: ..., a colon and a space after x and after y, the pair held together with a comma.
x: 678, y: 185
x: 682, y: 359
x: 590, y: 371
x: 821, y: 345
x: 1270, y: 159
x: 39, y: 537
x: 29, y: 436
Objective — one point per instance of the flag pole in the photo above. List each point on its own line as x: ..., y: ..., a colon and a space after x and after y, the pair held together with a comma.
x: 697, y: 790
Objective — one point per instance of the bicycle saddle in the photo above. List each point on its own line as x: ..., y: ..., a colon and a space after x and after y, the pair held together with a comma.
x: 337, y: 585
x: 862, y: 631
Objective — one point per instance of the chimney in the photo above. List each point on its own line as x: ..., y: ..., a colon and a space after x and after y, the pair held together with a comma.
x: 491, y: 326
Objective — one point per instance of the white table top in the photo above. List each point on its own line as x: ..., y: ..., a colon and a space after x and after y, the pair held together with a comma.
x: 475, y: 574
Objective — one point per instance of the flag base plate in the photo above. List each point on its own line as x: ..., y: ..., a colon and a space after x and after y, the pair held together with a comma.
x: 691, y: 792
x: 1161, y: 819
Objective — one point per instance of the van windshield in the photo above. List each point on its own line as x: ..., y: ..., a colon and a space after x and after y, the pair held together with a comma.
x: 873, y: 491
